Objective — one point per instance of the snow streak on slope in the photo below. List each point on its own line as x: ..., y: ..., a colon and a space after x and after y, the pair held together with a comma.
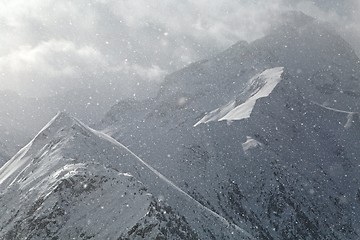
x: 258, y: 87
x: 351, y: 116
x: 250, y: 144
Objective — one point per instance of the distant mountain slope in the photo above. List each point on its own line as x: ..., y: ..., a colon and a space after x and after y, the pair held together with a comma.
x: 285, y: 165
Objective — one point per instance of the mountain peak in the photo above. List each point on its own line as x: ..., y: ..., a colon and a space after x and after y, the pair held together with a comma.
x: 62, y: 126
x: 295, y: 18
x: 61, y: 118
x: 290, y: 20
x: 61, y: 121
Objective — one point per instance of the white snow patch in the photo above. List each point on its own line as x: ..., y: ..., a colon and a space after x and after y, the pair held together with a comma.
x: 264, y: 84
x: 250, y: 144
x: 259, y: 86
x: 217, y: 113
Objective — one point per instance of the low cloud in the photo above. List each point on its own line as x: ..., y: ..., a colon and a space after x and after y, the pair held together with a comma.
x: 49, y: 65
x: 153, y: 73
x: 51, y: 46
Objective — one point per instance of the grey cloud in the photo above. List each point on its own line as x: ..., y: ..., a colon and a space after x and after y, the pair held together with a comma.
x: 68, y: 44
x: 30, y: 68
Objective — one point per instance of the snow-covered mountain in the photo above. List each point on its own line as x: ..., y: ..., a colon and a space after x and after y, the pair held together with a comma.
x: 259, y: 142
x: 265, y: 133
x: 72, y: 182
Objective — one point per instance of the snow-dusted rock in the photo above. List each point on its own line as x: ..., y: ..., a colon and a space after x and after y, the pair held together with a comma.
x: 71, y: 181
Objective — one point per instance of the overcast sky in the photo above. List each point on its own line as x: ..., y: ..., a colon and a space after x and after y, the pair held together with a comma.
x: 49, y: 46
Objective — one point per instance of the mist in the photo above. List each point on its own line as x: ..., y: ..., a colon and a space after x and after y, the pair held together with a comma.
x: 130, y: 46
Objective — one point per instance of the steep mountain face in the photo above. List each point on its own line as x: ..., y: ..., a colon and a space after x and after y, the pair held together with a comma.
x: 265, y: 133
x: 72, y: 182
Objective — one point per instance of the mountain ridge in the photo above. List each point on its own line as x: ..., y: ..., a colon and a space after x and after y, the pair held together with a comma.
x: 57, y: 151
